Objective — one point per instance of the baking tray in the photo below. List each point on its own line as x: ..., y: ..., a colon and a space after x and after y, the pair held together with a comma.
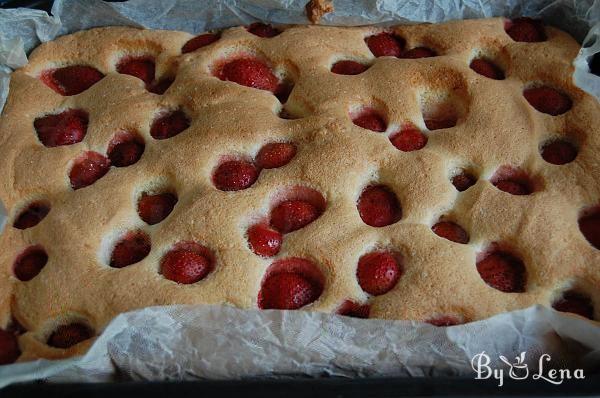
x: 304, y: 387
x: 310, y: 388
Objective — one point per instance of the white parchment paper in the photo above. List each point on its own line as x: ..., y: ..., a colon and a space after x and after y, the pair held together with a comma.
x: 221, y: 342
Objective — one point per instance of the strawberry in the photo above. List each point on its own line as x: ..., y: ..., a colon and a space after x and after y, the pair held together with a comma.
x: 251, y: 73
x: 559, y: 152
x: 155, y: 208
x: 125, y: 151
x: 385, y: 45
x: 9, y: 347
x: 589, y: 225
x: 65, y: 128
x: 132, y: 248
x: 283, y: 91
x: 575, y: 303
x: 451, y: 231
x: 443, y: 321
x: 513, y: 187
x: 66, y: 336
x: 354, y: 310
x: 487, y: 69
x: 264, y: 241
x: 436, y: 123
x: 87, y: 169
x: 169, y: 125
x: 287, y: 291
x: 235, y: 175
x: 378, y: 206
x: 525, y: 30
x: 348, y: 68
x: 419, y: 52
x: 275, y: 154
x: 185, y: 266
x: 291, y: 215
x: 503, y: 271
x: 409, y: 139
x: 31, y: 216
x: 463, y: 181
x: 263, y: 30
x: 140, y: 67
x: 371, y: 120
x: 199, y: 42
x: 159, y: 87
x: 548, y: 100
x: 71, y: 80
x: 378, y: 272
x: 29, y: 263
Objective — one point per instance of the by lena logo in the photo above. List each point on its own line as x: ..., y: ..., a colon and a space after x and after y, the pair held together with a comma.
x: 519, y: 370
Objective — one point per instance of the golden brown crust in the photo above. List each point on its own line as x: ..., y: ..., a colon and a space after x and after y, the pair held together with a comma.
x: 496, y: 127
x: 315, y: 9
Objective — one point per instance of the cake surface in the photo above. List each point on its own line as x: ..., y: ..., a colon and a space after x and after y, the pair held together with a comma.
x: 435, y: 172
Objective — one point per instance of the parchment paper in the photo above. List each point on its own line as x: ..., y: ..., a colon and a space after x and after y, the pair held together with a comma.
x: 221, y: 342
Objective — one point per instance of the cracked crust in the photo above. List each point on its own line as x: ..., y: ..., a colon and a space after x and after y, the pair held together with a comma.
x: 496, y: 127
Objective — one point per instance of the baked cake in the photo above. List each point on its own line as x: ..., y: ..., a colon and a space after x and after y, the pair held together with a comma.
x: 435, y: 172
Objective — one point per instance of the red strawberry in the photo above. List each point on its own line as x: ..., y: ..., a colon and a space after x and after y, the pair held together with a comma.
x: 132, y: 248
x: 283, y: 91
x: 185, y: 266
x: 287, y: 291
x: 65, y: 128
x: 378, y: 206
x: 140, y: 67
x: 87, y: 169
x: 559, y: 152
x: 487, y: 69
x: 160, y: 86
x: 409, y: 139
x: 66, y: 336
x: 378, y: 272
x: 169, y: 125
x: 263, y: 30
x: 199, y: 42
x: 443, y: 321
x: 513, y: 187
x: 463, y: 181
x: 503, y: 271
x: 9, y: 347
x: 525, y: 30
x: 235, y: 175
x: 371, y: 120
x: 385, y: 45
x: 291, y: 215
x: 548, y: 100
x: 125, y: 150
x: 30, y: 263
x: 419, y: 52
x: 275, y: 154
x: 451, y: 231
x: 251, y: 73
x: 354, y: 310
x: 155, y: 208
x: 71, y: 80
x: 348, y: 68
x: 575, y: 303
x: 589, y: 225
x: 264, y: 241
x: 31, y: 216
x: 440, y: 122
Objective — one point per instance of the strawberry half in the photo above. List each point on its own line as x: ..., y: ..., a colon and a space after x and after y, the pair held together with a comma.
x: 378, y: 272
x: 185, y: 266
x: 287, y: 291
